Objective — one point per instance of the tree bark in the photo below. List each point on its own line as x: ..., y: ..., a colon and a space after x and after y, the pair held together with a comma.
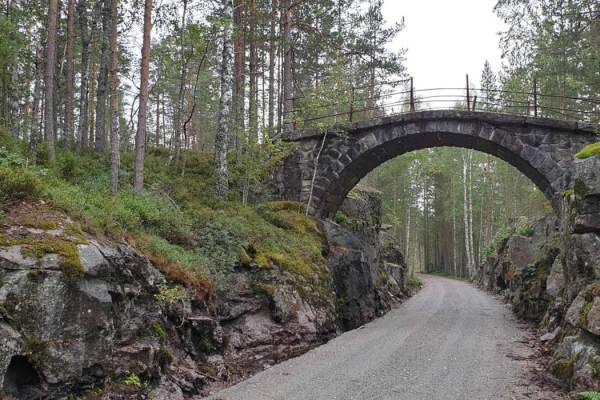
x: 223, y: 118
x: 49, y: 128
x: 70, y: 76
x: 239, y: 66
x: 85, y: 66
x: 140, y: 137
x: 114, y: 99
x: 466, y: 214
x: 288, y: 101
x: 272, y: 45
x: 102, y: 89
x: 253, y: 100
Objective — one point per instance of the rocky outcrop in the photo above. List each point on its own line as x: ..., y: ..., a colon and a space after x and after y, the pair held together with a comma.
x: 368, y: 270
x: 95, y: 318
x: 551, y: 276
x: 523, y: 265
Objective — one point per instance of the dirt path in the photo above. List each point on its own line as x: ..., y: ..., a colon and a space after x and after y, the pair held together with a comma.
x: 450, y: 341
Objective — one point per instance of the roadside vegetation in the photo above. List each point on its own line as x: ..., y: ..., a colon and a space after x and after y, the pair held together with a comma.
x: 195, y: 239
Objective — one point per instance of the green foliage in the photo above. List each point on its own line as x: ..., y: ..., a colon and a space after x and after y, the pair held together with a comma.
x: 17, y: 180
x: 589, y: 395
x: 175, y: 222
x: 169, y: 296
x: 159, y: 331
x: 584, y: 312
x: 341, y: 218
x: 526, y: 231
x: 593, y: 150
x: 415, y: 282
x: 133, y: 380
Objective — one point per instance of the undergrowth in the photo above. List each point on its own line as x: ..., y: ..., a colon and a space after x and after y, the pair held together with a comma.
x: 176, y: 222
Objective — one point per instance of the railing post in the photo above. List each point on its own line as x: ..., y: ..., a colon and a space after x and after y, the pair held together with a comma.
x: 474, y: 102
x: 468, y: 95
x: 535, y: 97
x: 412, y: 95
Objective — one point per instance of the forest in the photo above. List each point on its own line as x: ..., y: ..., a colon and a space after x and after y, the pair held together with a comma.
x: 93, y: 91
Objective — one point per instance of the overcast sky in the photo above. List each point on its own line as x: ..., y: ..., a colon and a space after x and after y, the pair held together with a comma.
x: 446, y: 39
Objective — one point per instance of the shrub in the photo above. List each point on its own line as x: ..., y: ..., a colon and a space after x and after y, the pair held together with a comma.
x: 341, y: 218
x: 415, y: 282
x: 133, y: 380
x: 526, y: 231
x: 17, y: 180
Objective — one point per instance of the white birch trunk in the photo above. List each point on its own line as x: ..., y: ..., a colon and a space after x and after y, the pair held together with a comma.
x: 223, y: 118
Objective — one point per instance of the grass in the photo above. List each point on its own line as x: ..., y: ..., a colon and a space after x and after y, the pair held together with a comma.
x: 196, y: 241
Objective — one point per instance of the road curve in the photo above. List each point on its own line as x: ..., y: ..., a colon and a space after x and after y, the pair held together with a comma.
x: 450, y: 341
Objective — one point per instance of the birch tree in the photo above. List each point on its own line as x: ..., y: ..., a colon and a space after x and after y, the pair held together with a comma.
x: 224, y: 113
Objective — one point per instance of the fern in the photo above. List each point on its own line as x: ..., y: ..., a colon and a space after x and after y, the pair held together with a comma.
x: 589, y: 395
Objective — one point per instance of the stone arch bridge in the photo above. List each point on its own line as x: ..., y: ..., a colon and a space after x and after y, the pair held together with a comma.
x: 542, y: 149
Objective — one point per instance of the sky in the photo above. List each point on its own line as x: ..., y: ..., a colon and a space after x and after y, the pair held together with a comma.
x: 446, y: 39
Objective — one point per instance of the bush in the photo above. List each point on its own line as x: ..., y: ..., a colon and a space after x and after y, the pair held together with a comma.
x: 341, y: 218
x: 18, y: 184
x: 526, y: 231
x: 415, y: 282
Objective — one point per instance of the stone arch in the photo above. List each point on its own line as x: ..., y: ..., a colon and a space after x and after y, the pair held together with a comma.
x: 543, y: 150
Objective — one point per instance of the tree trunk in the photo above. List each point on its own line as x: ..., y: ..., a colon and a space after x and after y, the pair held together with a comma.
x: 102, y: 89
x: 140, y: 137
x: 223, y: 118
x: 178, y: 116
x: 49, y: 128
x: 253, y: 103
x: 272, y: 45
x: 115, y: 158
x: 70, y: 76
x: 157, y: 135
x: 239, y: 66
x: 466, y: 214
x: 85, y: 66
x: 288, y: 101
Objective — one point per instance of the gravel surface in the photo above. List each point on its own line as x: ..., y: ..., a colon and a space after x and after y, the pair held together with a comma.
x: 450, y: 341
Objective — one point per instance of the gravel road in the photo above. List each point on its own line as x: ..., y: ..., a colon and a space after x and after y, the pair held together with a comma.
x: 450, y: 341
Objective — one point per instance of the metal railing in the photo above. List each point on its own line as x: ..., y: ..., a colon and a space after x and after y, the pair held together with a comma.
x: 383, y: 99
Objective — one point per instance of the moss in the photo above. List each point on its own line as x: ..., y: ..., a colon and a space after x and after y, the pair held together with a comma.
x: 584, y: 312
x: 45, y: 224
x: 38, y: 247
x: 70, y: 264
x: 264, y: 289
x: 592, y: 150
x: 36, y: 350
x: 564, y: 369
x: 580, y: 188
